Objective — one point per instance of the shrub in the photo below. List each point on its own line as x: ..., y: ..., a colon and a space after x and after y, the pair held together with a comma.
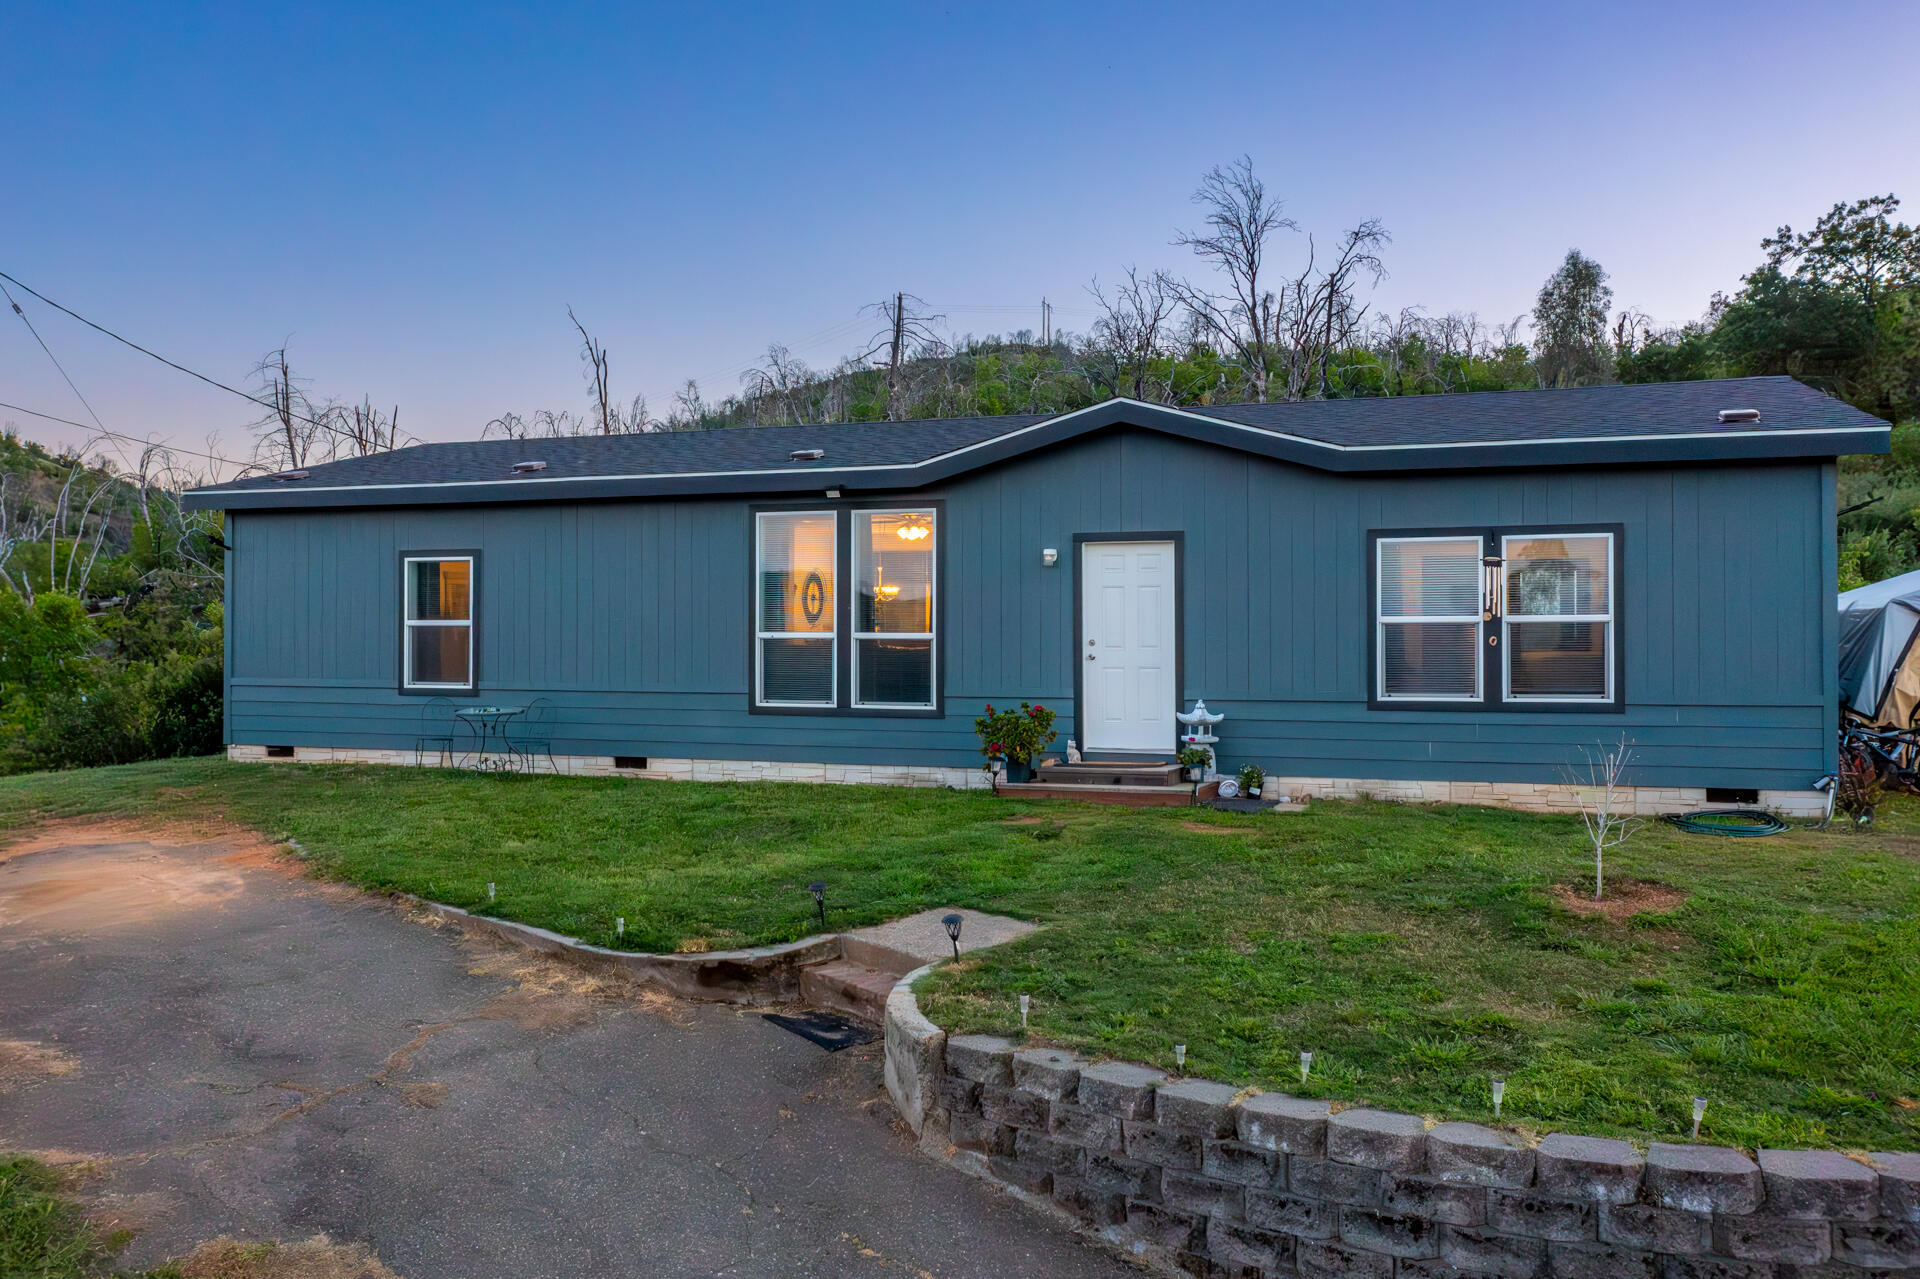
x: 187, y: 705
x: 1015, y: 735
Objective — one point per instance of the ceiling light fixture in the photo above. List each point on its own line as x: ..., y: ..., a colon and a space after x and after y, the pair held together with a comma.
x: 914, y: 531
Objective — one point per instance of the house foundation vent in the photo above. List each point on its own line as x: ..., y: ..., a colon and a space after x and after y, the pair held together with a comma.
x: 1732, y: 795
x: 279, y: 752
x: 636, y: 762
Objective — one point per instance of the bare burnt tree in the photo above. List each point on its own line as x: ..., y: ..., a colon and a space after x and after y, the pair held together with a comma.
x: 594, y: 357
x: 906, y: 328
x: 780, y: 389
x: 1240, y: 222
x: 297, y: 431
x: 1299, y: 322
x: 1319, y: 312
x: 1134, y: 327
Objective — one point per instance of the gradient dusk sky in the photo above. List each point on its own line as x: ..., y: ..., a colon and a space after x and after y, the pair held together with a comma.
x: 411, y: 196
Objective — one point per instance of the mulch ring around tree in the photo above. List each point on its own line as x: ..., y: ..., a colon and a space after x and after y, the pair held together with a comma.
x: 1622, y: 900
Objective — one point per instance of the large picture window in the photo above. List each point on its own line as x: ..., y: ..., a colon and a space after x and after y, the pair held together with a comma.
x: 893, y: 635
x: 796, y: 608
x: 437, y: 643
x: 1513, y: 617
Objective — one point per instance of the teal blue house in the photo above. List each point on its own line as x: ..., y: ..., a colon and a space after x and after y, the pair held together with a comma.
x: 1434, y: 597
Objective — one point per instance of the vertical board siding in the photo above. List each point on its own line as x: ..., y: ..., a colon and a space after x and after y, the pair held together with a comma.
x: 632, y: 617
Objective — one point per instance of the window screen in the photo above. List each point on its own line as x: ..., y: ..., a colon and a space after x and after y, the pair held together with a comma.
x: 1559, y: 617
x: 794, y: 553
x: 1428, y: 613
x: 893, y: 564
x: 437, y: 641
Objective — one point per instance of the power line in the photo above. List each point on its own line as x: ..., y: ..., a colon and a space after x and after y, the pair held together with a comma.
x: 252, y: 399
x: 56, y: 362
x: 67, y: 421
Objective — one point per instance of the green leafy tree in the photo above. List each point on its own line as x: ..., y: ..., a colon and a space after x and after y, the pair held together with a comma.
x: 1857, y: 248
x: 1570, y: 324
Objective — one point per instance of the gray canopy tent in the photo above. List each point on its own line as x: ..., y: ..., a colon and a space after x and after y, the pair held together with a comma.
x: 1879, y: 661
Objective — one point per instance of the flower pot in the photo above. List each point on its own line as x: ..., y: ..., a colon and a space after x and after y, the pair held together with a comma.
x: 1253, y: 792
x: 1195, y: 772
x: 1019, y: 770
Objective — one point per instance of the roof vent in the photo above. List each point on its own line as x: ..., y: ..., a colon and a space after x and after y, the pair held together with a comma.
x: 284, y: 476
x: 806, y: 455
x: 1739, y: 415
x: 528, y: 468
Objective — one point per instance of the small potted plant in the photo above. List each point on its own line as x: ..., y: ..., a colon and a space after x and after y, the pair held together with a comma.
x: 1015, y: 736
x: 1194, y: 762
x: 1252, y: 777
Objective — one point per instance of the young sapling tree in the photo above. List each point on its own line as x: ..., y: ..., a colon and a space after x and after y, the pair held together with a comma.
x: 1606, y: 804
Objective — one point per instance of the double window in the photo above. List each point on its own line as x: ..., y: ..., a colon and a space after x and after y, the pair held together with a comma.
x: 801, y: 617
x: 436, y: 646
x: 1504, y: 616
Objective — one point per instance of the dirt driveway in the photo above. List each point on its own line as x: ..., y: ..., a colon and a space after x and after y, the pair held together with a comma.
x: 240, y: 1050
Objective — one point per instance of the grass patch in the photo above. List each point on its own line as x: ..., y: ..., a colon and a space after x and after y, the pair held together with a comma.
x: 1418, y: 952
x: 43, y: 1236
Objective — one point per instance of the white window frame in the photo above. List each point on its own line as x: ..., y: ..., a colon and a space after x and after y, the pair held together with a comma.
x: 761, y: 634
x: 1507, y: 621
x: 408, y: 623
x: 933, y: 612
x: 1381, y: 621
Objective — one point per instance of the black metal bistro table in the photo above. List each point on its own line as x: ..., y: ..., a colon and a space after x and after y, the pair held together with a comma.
x: 492, y: 752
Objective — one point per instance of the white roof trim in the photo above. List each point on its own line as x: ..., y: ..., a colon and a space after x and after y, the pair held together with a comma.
x: 828, y: 472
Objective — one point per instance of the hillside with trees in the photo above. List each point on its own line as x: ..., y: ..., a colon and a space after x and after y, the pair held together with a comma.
x: 109, y: 608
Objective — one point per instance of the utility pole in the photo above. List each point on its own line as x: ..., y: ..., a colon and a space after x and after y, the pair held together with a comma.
x: 1046, y: 323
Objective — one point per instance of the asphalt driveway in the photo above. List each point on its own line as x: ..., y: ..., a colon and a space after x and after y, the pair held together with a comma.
x: 244, y: 1051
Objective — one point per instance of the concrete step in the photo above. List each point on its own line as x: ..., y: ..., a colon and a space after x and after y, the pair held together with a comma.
x: 1093, y: 773
x: 1123, y: 795
x: 848, y: 987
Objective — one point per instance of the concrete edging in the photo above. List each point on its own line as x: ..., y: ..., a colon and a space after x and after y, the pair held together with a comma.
x: 756, y: 975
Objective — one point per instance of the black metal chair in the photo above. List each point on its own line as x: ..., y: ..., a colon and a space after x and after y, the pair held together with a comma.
x: 436, y: 732
x: 531, y: 735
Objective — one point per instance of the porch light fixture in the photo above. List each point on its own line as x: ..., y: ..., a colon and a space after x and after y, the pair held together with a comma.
x: 952, y: 923
x: 819, y: 890
x: 1050, y: 557
x: 913, y: 532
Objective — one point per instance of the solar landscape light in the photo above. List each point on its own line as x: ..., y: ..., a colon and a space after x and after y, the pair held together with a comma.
x: 489, y: 890
x: 952, y: 923
x: 1699, y: 1113
x: 1499, y: 1095
x: 1306, y: 1064
x: 1026, y: 1001
x: 619, y: 925
x: 1180, y: 1057
x: 819, y: 890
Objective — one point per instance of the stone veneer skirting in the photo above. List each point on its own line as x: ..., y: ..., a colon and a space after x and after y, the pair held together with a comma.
x: 676, y: 770
x: 1541, y: 797
x: 1203, y: 1179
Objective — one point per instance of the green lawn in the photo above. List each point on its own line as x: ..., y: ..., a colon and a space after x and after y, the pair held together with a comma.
x: 42, y: 1235
x: 1417, y: 952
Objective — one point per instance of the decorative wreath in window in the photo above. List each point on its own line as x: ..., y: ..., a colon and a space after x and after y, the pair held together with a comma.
x: 813, y: 597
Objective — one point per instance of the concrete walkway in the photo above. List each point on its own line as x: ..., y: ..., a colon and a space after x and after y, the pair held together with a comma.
x: 245, y: 1051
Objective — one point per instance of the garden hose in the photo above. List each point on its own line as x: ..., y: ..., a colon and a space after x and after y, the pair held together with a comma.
x: 1728, y: 821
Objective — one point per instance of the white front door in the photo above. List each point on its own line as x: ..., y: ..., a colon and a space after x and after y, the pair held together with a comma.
x: 1127, y: 658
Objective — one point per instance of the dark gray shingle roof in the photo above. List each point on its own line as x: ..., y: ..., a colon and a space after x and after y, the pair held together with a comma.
x: 1662, y: 422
